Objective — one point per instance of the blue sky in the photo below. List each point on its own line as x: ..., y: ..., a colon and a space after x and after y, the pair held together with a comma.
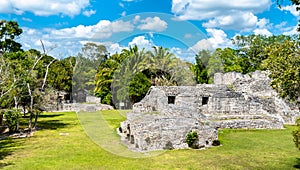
x: 184, y: 26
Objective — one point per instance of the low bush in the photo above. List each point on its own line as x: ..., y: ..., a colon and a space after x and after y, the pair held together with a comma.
x: 11, y: 118
x: 192, y: 139
x: 296, y: 134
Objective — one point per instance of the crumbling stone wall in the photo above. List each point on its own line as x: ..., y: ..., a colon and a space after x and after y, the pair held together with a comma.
x: 256, y: 85
x: 165, y: 116
x: 149, y: 132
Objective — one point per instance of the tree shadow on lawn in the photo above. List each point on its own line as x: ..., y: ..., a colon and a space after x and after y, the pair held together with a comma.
x: 53, y: 124
x: 7, y: 147
x: 297, y: 166
x: 50, y: 125
x: 43, y: 115
x: 45, y: 121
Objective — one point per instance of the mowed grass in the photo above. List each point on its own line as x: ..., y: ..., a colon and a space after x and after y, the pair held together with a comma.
x: 63, y: 144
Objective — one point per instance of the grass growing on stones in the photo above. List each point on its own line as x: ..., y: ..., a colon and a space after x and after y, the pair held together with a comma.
x: 63, y: 144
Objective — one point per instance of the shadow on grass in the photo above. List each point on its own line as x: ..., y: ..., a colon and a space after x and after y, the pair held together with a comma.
x: 297, y: 166
x: 45, y: 121
x: 48, y: 121
x: 49, y: 115
x: 7, y: 147
x: 50, y: 125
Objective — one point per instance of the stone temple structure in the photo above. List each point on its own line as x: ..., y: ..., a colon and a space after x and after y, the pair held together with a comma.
x: 166, y: 115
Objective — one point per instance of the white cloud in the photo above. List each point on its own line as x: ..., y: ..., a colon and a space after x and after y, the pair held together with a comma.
x: 238, y: 21
x: 29, y: 31
x: 218, y: 39
x: 121, y: 5
x: 204, y: 44
x: 281, y: 25
x: 262, y: 23
x: 46, y: 43
x: 234, y: 14
x: 68, y: 41
x: 206, y: 9
x: 123, y: 14
x: 122, y: 26
x: 151, y: 34
x: 177, y: 51
x: 141, y: 42
x: 115, y: 48
x: 26, y: 19
x: 188, y: 36
x: 291, y: 9
x: 45, y: 7
x: 103, y: 29
x: 291, y: 31
x: 262, y: 31
x: 262, y: 27
x: 89, y: 13
x: 136, y: 19
x: 184, y: 54
x: 153, y: 24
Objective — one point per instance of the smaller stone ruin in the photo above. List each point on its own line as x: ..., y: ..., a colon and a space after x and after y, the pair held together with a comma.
x: 166, y: 115
x: 158, y: 125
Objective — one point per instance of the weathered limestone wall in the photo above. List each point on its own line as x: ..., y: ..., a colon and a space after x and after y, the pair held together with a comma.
x: 156, y: 124
x: 256, y: 87
x: 93, y: 99
x: 154, y: 131
x: 227, y: 78
x: 165, y: 116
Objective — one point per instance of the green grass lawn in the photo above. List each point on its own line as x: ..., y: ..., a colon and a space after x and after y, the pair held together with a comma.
x: 62, y: 143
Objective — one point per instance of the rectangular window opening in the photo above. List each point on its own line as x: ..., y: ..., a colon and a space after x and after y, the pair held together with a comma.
x: 204, y: 100
x: 171, y: 99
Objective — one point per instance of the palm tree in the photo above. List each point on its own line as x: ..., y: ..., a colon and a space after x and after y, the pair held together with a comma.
x: 161, y: 66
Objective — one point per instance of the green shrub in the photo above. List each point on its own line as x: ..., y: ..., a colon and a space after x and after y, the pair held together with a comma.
x: 12, y: 119
x: 191, y: 140
x: 296, y: 134
x: 216, y: 143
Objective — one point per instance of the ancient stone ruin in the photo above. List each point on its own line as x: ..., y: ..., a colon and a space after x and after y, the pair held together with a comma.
x: 166, y: 115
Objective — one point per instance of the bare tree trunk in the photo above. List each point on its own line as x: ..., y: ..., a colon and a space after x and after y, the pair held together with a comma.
x: 1, y: 119
x: 46, y: 74
x: 30, y: 107
x: 16, y: 102
x: 35, y: 119
x: 18, y: 123
x: 24, y: 110
x: 43, y: 86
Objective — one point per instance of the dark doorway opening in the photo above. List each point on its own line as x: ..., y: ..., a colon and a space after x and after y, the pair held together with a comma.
x: 204, y: 100
x: 171, y: 99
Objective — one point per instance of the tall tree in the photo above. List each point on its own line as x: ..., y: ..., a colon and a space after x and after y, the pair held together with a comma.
x: 85, y: 69
x: 283, y: 63
x: 60, y: 75
x: 132, y: 64
x: 104, y: 77
x: 138, y: 87
x: 9, y: 31
x: 200, y: 67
